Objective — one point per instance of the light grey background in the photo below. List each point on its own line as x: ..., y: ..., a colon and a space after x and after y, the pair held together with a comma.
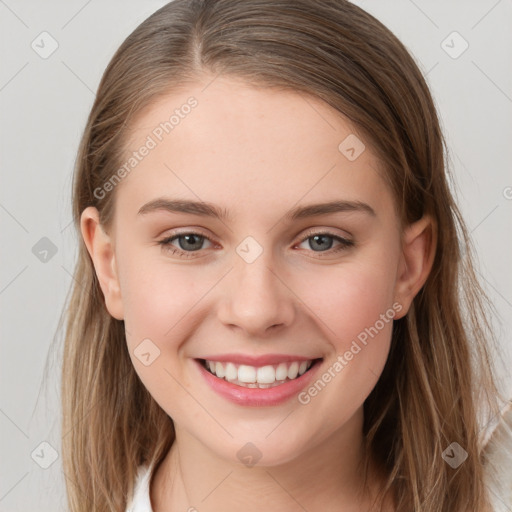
x: 44, y: 104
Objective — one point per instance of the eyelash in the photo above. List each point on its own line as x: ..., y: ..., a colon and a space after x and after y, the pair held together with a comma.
x: 166, y: 243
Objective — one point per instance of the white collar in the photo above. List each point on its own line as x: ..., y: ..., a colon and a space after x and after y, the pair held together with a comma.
x: 141, y: 501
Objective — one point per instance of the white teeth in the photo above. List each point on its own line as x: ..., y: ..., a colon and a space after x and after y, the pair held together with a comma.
x: 219, y: 370
x: 266, y: 375
x: 262, y: 377
x: 246, y: 373
x: 231, y: 372
x: 281, y: 372
x: 293, y: 370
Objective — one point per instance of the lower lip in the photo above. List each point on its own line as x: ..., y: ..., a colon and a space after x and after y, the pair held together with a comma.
x: 256, y: 397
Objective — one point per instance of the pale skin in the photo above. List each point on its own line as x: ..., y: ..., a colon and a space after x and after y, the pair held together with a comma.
x: 258, y: 153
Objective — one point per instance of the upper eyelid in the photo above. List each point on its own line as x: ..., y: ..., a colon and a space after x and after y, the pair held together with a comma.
x: 189, y: 232
x: 325, y: 231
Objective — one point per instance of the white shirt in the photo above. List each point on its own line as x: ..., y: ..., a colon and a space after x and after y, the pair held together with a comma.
x: 141, y: 501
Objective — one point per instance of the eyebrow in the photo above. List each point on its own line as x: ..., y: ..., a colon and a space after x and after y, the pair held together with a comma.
x: 210, y: 210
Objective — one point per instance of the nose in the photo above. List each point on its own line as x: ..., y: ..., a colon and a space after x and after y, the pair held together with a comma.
x: 256, y: 298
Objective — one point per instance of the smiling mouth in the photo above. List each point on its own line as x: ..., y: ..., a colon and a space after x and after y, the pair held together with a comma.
x: 262, y: 377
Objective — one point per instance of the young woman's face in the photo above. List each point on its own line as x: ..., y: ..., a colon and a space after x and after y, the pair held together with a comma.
x: 271, y: 282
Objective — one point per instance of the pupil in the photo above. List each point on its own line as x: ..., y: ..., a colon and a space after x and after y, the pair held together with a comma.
x: 191, y: 237
x: 322, y: 245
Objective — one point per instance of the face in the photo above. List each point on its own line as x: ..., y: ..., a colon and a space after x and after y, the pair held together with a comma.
x: 269, y: 283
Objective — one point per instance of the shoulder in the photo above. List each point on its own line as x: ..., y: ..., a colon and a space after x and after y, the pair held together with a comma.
x: 498, y: 463
x: 140, y: 501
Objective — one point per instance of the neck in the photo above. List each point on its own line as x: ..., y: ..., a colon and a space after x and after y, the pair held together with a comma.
x: 328, y: 476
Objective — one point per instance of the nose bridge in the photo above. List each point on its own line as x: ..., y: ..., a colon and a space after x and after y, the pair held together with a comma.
x: 255, y: 297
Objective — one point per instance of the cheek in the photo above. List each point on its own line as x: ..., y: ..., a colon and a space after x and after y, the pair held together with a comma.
x: 156, y: 295
x: 355, y: 307
x: 350, y: 298
x: 158, y: 300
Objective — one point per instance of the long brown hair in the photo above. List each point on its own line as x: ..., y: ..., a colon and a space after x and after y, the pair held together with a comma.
x: 438, y: 376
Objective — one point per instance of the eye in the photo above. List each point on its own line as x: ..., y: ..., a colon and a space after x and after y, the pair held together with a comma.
x: 323, y: 241
x: 188, y: 243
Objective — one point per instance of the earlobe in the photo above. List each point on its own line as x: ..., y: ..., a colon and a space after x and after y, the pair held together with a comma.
x: 418, y: 251
x: 101, y: 249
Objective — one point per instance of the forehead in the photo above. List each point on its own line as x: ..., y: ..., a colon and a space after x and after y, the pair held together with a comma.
x: 245, y: 147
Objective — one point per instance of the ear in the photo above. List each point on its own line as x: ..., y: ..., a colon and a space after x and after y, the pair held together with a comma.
x: 418, y: 251
x: 101, y: 249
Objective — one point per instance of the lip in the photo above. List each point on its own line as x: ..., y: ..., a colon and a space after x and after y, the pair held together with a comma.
x: 255, y: 397
x: 262, y: 360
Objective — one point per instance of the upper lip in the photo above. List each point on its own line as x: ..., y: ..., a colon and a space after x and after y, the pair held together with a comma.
x: 262, y: 360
